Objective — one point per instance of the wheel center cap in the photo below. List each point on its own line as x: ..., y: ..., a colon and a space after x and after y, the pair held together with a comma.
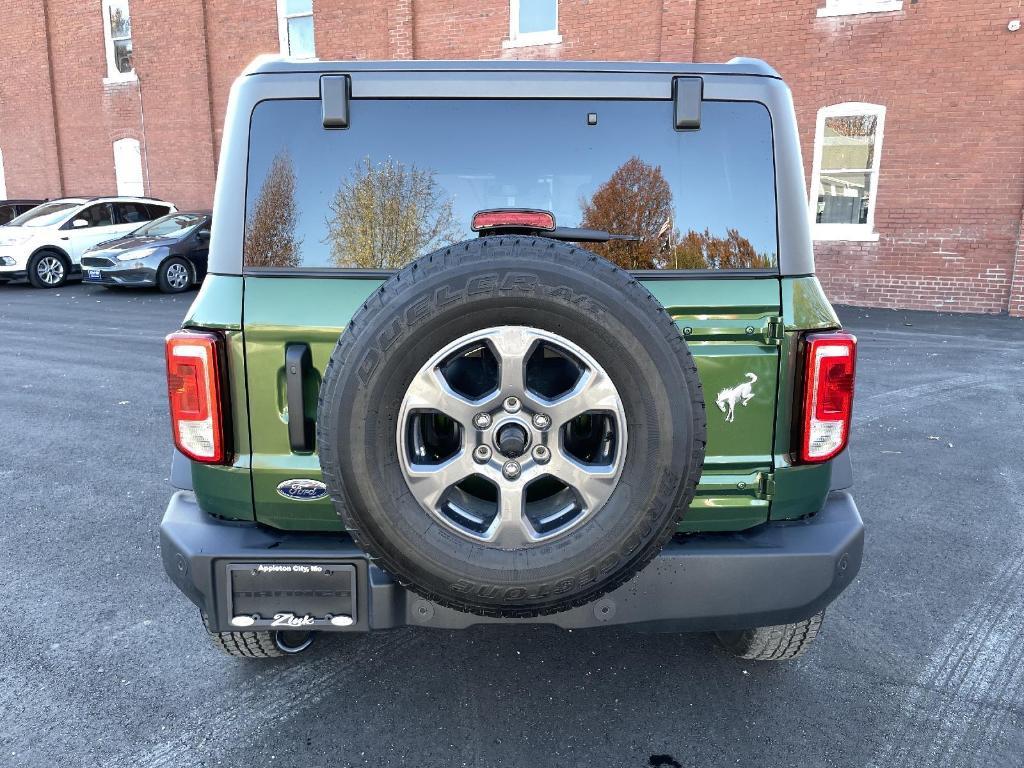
x: 511, y: 440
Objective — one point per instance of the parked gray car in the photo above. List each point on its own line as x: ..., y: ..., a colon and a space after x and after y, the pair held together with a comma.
x: 169, y: 253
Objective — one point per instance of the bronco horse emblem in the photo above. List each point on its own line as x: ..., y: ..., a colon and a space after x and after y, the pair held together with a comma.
x: 729, y: 397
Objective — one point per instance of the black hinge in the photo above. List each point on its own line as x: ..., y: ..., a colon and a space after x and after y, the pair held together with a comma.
x: 687, y: 92
x: 775, y: 330
x: 334, y: 94
x: 765, y: 485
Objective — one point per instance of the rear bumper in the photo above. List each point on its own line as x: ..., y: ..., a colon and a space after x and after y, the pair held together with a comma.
x: 778, y: 573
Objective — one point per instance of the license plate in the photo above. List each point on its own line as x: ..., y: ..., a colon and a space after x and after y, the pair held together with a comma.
x: 92, y: 274
x: 293, y: 595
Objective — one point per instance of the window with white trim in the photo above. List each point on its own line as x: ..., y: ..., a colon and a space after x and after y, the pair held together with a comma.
x: 844, y: 180
x: 532, y: 22
x: 117, y: 35
x: 128, y: 167
x: 853, y: 7
x: 3, y: 178
x: 295, y: 28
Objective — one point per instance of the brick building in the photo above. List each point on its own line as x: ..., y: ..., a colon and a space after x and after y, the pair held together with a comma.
x: 911, y: 115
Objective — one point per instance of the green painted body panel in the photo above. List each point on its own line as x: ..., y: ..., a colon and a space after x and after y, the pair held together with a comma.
x: 731, y: 326
x: 799, y: 490
x: 218, y: 305
x: 806, y: 307
x: 226, y: 491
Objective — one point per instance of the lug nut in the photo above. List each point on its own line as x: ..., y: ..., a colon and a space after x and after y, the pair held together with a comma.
x: 482, y: 420
x: 511, y: 470
x: 512, y: 404
x: 541, y: 420
x: 541, y: 454
x: 482, y: 454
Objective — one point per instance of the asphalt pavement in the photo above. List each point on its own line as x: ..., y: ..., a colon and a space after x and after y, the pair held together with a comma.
x: 104, y: 663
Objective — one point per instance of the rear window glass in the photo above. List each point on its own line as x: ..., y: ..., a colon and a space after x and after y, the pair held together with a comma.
x: 407, y: 176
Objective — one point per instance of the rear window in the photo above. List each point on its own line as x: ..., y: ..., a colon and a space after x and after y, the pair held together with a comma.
x: 406, y: 177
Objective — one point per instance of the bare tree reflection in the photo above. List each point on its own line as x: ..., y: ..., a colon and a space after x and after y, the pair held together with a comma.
x: 270, y: 232
x: 636, y: 200
x: 386, y: 214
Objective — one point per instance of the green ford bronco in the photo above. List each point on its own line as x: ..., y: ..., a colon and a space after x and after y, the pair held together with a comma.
x: 511, y: 342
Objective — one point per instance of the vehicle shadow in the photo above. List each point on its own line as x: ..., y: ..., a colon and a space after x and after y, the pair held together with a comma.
x: 530, y: 695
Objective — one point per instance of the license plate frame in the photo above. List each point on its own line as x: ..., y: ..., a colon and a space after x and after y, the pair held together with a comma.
x: 92, y: 274
x: 292, y: 595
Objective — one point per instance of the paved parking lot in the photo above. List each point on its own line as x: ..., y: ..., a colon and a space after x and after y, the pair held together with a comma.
x: 921, y: 662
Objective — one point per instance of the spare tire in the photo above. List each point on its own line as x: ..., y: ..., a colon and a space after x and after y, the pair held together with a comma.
x: 511, y: 426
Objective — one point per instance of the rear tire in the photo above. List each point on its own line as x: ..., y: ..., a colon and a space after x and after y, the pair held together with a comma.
x: 780, y: 642
x: 174, y: 276
x: 259, y: 645
x: 48, y: 269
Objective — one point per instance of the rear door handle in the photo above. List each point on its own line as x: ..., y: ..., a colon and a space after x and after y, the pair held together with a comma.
x: 296, y: 367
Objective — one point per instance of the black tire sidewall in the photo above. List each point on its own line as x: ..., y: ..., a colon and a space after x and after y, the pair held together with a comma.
x: 161, y: 275
x: 33, y: 266
x: 559, y: 289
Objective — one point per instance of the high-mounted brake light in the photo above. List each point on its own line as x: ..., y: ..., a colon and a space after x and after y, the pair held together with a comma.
x: 829, y: 369
x: 513, y: 218
x: 193, y: 389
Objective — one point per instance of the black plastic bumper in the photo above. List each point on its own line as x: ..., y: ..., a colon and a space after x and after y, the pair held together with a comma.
x: 777, y: 573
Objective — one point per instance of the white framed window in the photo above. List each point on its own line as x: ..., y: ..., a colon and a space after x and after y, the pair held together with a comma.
x: 117, y: 36
x: 532, y: 22
x: 295, y: 28
x: 854, y: 7
x: 3, y: 178
x: 844, y: 178
x: 128, y: 168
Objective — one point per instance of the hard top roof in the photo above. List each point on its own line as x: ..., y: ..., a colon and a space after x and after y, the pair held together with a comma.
x: 270, y: 64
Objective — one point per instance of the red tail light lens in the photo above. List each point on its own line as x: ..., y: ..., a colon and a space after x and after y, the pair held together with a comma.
x: 193, y: 389
x: 512, y: 218
x: 829, y: 370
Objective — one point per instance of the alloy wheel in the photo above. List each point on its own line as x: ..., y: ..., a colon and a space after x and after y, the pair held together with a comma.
x: 512, y: 436
x: 50, y: 270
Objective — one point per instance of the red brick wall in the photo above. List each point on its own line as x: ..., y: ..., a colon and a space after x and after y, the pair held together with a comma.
x: 175, y: 101
x: 951, y: 186
x: 90, y: 115
x: 237, y: 32
x: 951, y: 182
x: 27, y: 136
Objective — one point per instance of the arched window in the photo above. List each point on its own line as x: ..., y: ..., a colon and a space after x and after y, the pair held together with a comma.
x: 844, y: 180
x: 128, y: 167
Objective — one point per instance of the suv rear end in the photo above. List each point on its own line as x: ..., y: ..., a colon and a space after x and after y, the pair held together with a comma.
x: 729, y: 424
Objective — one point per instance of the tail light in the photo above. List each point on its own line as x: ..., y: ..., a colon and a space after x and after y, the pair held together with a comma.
x: 193, y: 388
x: 829, y: 367
x: 513, y: 218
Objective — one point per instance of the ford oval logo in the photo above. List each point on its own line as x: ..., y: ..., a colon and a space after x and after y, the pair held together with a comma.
x: 302, y: 490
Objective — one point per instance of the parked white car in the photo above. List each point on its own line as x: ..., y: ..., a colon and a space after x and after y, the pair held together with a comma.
x: 46, y: 243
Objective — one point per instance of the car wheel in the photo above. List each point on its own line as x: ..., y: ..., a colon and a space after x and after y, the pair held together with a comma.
x: 174, y: 276
x: 47, y: 270
x: 511, y: 426
x: 259, y: 645
x: 780, y: 642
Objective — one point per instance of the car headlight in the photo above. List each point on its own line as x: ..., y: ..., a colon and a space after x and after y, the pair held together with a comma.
x: 7, y: 261
x: 140, y: 253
